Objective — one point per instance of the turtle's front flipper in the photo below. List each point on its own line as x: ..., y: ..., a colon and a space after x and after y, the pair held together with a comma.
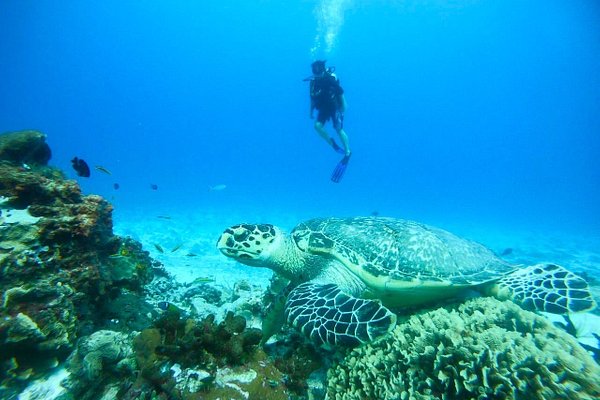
x: 326, y: 315
x: 546, y: 287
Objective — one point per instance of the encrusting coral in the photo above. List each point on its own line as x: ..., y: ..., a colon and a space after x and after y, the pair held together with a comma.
x: 481, y: 349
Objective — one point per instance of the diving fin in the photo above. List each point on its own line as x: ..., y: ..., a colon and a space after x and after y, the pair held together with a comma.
x: 340, y: 169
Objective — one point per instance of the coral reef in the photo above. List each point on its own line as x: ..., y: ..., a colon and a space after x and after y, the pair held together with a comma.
x: 482, y: 349
x: 182, y: 358
x: 25, y: 147
x: 76, y: 305
x: 289, y: 362
x: 98, y: 359
x: 297, y: 360
x: 60, y: 264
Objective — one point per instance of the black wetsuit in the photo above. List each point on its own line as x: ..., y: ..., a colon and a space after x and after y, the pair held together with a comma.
x: 324, y: 93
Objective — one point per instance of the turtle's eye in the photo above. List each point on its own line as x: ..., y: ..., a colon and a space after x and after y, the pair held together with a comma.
x: 242, y: 236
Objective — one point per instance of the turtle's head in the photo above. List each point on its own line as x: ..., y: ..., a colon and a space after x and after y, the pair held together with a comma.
x: 252, y: 244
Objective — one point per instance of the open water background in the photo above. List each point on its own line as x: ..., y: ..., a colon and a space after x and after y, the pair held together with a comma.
x: 462, y: 113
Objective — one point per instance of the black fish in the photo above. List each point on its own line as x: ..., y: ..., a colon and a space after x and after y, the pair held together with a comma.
x: 154, y: 186
x: 116, y: 186
x: 81, y: 167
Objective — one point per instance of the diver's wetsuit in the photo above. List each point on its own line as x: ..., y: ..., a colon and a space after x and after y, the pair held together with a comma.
x: 324, y: 92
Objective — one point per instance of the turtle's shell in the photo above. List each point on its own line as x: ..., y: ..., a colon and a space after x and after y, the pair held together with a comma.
x: 388, y: 252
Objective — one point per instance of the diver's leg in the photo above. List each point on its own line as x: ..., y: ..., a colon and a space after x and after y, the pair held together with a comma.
x: 322, y: 132
x: 344, y: 139
x: 320, y: 128
x: 338, y: 124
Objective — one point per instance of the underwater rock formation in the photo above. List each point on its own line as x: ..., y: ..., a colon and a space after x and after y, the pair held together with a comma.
x: 60, y: 264
x: 182, y: 358
x: 25, y: 147
x: 98, y: 359
x: 482, y: 349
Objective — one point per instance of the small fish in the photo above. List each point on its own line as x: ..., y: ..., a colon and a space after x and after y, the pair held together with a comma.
x: 116, y: 186
x: 192, y: 255
x: 81, y: 167
x: 174, y: 249
x: 203, y: 279
x: 102, y: 169
x: 163, y: 217
x: 506, y: 251
x: 159, y: 248
x: 217, y: 188
x: 169, y: 308
x: 116, y: 256
x: 154, y: 186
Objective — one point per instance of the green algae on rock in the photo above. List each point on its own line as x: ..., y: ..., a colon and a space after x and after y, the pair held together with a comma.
x: 482, y: 349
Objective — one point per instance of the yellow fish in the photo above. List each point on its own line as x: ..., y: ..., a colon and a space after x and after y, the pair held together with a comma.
x: 203, y: 279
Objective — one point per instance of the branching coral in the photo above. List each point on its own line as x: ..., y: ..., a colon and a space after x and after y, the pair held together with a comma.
x: 482, y: 349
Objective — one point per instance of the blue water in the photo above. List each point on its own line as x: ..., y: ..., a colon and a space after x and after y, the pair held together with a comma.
x: 486, y: 111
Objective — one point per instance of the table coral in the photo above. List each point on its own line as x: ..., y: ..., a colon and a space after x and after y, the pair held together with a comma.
x: 482, y: 349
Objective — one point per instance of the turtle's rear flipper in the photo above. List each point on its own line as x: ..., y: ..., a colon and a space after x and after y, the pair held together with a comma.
x: 326, y: 315
x: 547, y: 287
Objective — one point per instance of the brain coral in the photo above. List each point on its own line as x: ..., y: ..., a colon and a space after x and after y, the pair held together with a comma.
x: 481, y: 349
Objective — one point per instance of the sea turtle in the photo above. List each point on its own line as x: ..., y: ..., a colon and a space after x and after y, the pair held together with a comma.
x: 347, y: 271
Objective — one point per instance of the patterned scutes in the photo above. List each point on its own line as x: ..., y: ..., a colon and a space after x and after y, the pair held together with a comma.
x: 400, y: 249
x: 327, y: 316
x: 550, y: 288
x: 482, y: 349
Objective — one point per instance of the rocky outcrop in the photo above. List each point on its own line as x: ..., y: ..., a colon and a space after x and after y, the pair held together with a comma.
x: 60, y: 264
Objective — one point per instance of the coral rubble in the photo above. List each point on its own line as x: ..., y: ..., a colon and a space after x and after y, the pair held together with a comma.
x: 482, y: 349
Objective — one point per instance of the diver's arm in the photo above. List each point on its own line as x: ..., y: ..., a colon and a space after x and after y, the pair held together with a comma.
x: 312, y: 108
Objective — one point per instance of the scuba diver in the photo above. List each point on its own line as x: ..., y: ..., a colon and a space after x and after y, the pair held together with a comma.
x: 327, y: 96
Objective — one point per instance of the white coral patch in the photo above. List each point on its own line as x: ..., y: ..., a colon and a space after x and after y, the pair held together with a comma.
x: 12, y: 217
x: 46, y: 389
